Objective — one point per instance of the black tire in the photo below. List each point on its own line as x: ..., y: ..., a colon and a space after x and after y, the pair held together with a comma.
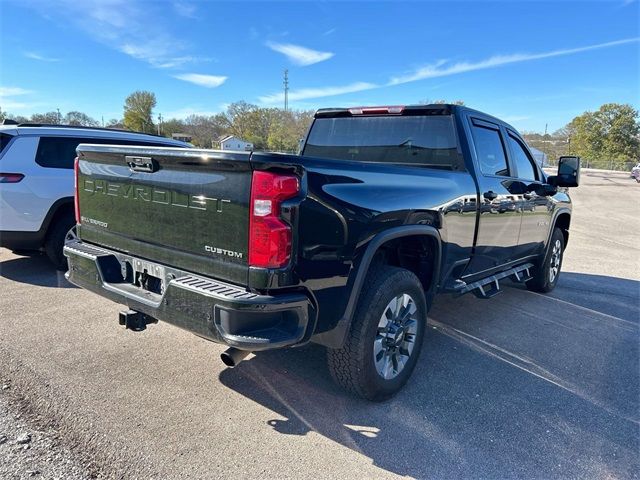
x: 353, y: 366
x: 56, y: 237
x: 542, y: 279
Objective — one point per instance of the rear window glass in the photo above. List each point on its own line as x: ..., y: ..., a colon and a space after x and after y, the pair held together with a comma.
x: 428, y: 141
x: 59, y: 152
x: 4, y: 140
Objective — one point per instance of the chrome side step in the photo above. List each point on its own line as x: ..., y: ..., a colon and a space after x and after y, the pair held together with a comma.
x: 490, y: 286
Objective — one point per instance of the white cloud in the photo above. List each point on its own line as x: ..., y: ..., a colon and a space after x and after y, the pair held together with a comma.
x: 42, y: 58
x: 441, y: 69
x: 329, y: 32
x: 209, y: 81
x: 13, y: 91
x: 300, y: 55
x: 142, y: 30
x: 185, y: 9
x: 306, y: 93
x: 9, y: 103
x: 176, y: 62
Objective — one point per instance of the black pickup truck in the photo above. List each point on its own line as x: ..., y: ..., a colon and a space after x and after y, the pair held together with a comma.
x: 344, y: 245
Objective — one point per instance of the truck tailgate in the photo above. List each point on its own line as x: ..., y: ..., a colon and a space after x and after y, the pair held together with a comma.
x: 182, y: 207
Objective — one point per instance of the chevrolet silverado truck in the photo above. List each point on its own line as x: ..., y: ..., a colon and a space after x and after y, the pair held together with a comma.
x: 344, y: 244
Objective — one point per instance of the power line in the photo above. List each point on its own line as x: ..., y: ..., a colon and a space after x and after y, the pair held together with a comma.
x: 286, y: 90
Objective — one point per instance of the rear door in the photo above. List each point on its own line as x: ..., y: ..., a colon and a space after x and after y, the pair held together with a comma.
x: 500, y: 212
x: 185, y: 208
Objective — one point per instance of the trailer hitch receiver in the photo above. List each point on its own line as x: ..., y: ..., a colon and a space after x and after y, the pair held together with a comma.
x: 135, y: 321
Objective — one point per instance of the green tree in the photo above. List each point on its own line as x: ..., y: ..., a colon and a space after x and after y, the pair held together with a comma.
x: 170, y: 126
x: 205, y: 129
x: 115, y: 123
x: 49, y: 117
x: 606, y: 138
x: 80, y: 119
x: 138, y: 111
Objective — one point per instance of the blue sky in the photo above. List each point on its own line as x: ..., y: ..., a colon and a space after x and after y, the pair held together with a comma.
x: 531, y: 63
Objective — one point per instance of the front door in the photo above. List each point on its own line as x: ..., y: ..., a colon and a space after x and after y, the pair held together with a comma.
x: 537, y: 209
x: 500, y: 200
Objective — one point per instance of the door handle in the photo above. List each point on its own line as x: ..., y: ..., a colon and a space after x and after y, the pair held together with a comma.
x: 490, y: 195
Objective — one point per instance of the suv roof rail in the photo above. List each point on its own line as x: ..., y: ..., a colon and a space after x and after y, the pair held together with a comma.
x: 55, y: 125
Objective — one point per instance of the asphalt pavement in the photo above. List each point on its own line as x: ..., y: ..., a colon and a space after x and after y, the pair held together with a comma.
x: 520, y: 386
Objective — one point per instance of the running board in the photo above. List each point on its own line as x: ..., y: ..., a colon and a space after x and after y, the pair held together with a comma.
x: 490, y: 286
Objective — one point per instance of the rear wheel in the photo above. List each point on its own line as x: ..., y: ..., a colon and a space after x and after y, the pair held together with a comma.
x: 385, y: 339
x: 545, y: 275
x: 62, y: 231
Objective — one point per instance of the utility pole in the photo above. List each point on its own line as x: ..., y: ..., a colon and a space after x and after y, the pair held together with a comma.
x: 159, y: 123
x: 286, y: 90
x: 59, y: 116
x: 102, y: 121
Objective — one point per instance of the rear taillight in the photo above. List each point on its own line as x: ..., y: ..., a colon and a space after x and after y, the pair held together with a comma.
x: 269, y: 235
x: 76, y: 202
x: 10, y: 177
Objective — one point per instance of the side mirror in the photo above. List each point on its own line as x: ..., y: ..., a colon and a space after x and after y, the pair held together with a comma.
x: 300, y: 145
x: 568, y: 173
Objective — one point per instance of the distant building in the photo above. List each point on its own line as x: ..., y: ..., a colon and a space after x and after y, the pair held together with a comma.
x: 183, y: 137
x: 231, y: 142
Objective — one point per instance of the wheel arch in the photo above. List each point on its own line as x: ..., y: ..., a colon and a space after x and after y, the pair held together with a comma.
x: 563, y: 221
x: 62, y: 206
x: 386, y: 247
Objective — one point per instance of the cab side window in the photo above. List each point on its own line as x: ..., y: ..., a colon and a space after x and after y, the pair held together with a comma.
x: 490, y: 151
x: 524, y: 162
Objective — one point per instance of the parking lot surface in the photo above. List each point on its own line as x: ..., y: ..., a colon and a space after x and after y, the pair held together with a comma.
x: 523, y: 385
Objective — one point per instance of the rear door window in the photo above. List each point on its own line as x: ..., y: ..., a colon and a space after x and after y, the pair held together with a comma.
x: 4, y: 141
x: 490, y: 151
x: 59, y: 152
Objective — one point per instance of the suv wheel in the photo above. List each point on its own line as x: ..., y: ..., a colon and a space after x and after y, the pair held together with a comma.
x: 545, y: 276
x: 62, y: 231
x: 385, y: 339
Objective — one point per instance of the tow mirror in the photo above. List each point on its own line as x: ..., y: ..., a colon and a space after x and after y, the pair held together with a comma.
x: 568, y: 173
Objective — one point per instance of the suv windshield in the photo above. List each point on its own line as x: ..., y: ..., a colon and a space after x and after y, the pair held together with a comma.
x: 427, y: 141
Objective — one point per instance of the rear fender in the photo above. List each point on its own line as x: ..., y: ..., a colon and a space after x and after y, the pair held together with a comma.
x: 335, y: 338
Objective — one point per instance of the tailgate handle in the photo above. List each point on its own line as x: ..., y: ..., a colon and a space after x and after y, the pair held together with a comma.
x: 141, y: 164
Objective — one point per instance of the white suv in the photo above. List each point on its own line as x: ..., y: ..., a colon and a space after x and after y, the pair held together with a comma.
x: 36, y: 182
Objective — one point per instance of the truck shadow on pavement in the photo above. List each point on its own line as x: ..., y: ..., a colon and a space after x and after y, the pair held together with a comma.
x: 497, y: 393
x: 34, y: 270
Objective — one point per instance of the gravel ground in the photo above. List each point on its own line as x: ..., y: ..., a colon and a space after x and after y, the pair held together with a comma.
x: 30, y: 450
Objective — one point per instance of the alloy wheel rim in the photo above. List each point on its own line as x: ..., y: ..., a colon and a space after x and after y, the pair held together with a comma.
x: 554, y: 261
x: 71, y: 236
x: 396, y: 336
